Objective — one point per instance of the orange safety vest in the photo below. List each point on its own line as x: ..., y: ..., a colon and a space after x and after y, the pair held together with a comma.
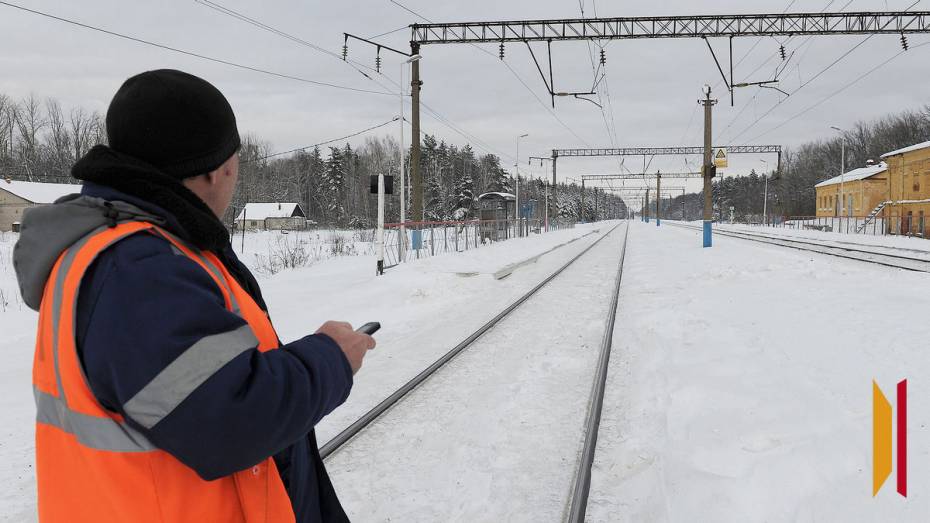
x: 90, y: 464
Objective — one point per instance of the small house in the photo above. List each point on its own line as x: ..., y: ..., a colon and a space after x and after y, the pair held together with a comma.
x: 278, y: 216
x: 17, y: 196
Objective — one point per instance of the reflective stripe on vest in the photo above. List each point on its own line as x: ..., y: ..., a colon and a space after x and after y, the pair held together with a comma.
x: 92, y: 465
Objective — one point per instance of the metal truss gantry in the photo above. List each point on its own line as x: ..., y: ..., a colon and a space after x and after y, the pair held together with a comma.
x: 703, y: 26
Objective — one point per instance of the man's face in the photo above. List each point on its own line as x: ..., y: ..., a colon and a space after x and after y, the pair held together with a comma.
x: 226, y: 184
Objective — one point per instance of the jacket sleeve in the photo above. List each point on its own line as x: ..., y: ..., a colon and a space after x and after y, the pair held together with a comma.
x: 160, y: 348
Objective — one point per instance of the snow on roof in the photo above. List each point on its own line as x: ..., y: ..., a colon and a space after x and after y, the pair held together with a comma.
x: 261, y: 211
x: 37, y: 192
x: 915, y: 147
x: 501, y: 195
x: 856, y: 174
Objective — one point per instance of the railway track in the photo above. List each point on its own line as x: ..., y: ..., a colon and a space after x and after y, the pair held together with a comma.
x: 886, y: 259
x: 574, y: 508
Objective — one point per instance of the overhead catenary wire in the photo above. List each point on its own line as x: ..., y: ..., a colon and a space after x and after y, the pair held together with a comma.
x: 304, y: 148
x: 838, y: 91
x: 806, y: 42
x: 429, y: 110
x: 810, y: 80
x: 512, y: 71
x: 193, y: 54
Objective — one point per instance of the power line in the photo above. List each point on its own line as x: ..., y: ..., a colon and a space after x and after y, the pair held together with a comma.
x: 838, y: 91
x: 807, y: 41
x: 517, y: 76
x: 804, y: 84
x: 190, y: 53
x: 363, y: 131
x: 257, y: 23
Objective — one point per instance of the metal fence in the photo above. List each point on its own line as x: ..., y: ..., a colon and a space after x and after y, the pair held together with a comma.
x: 914, y: 226
x: 422, y: 239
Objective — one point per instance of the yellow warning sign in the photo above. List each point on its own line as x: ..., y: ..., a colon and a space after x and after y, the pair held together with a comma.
x: 720, y: 158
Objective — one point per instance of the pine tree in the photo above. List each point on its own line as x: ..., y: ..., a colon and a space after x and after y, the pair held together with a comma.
x: 333, y: 186
x: 463, y: 191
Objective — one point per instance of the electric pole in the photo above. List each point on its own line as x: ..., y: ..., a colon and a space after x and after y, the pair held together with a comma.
x: 708, y: 169
x: 416, y: 179
x: 646, y: 207
x: 582, y: 201
x: 658, y: 199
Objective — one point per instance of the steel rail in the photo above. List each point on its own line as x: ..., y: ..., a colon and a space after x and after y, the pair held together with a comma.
x: 795, y: 244
x: 360, y: 424
x: 582, y: 483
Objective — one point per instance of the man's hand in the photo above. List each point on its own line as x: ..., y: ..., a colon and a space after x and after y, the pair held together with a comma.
x: 353, y: 344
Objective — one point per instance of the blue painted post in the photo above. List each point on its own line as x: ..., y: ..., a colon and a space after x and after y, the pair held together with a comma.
x: 708, y: 234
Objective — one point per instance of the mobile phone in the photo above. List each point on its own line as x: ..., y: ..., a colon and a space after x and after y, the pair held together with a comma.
x: 369, y: 328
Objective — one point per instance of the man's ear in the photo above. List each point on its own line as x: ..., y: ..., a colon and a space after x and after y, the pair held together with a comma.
x: 213, y: 176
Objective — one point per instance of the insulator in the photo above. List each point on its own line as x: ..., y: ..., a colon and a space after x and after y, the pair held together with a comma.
x: 904, y: 42
x: 378, y: 64
x: 781, y: 50
x: 603, y: 57
x: 345, y: 52
x: 501, y: 53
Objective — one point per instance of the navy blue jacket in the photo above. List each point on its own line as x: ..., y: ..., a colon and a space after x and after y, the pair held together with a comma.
x: 140, y: 306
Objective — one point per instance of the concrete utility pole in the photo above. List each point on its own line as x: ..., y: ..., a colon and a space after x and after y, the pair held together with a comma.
x: 646, y: 207
x: 658, y: 199
x: 416, y: 179
x: 581, y: 215
x: 765, y: 194
x: 517, y: 202
x: 708, y: 168
x: 402, y: 237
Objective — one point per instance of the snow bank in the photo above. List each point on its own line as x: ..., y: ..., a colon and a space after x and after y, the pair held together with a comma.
x: 740, y: 386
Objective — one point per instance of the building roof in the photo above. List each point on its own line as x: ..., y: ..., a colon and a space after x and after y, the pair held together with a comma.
x: 915, y: 147
x: 262, y: 211
x: 497, y: 196
x: 36, y: 192
x: 856, y: 174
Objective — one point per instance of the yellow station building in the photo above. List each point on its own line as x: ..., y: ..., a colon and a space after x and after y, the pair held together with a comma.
x: 908, y: 189
x: 855, y: 193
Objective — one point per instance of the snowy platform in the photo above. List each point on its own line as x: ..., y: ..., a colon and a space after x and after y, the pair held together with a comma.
x: 741, y: 384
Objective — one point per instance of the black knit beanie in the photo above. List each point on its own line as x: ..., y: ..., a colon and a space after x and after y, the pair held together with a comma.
x: 175, y: 121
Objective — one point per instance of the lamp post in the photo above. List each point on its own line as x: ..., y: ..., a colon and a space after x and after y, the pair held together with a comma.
x: 402, y: 240
x: 517, y: 202
x: 842, y: 172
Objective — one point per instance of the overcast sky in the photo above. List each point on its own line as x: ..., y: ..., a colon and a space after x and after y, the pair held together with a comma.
x: 653, y: 84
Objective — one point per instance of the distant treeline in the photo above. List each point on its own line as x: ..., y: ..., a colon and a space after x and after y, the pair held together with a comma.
x: 39, y: 142
x: 791, y: 193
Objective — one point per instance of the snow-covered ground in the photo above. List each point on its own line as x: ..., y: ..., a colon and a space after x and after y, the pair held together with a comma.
x: 904, y: 243
x: 741, y: 380
x: 425, y: 307
x: 494, y: 435
x: 739, y: 387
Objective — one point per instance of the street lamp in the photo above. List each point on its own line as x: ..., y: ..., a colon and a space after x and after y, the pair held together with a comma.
x: 402, y: 240
x: 517, y: 202
x: 842, y: 173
